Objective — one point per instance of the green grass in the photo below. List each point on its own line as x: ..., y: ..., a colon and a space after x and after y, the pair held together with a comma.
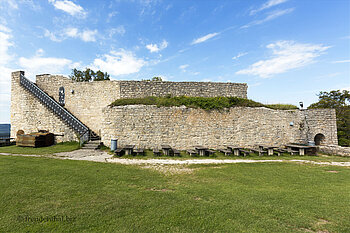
x: 281, y: 106
x: 276, y: 197
x: 60, y: 147
x: 207, y: 103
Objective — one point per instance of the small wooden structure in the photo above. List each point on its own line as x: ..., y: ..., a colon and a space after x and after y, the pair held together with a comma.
x: 201, y: 150
x: 37, y: 139
x: 302, y: 149
x: 166, y: 150
x: 129, y: 149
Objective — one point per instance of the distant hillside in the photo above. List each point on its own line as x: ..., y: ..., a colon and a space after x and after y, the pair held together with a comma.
x: 5, y: 130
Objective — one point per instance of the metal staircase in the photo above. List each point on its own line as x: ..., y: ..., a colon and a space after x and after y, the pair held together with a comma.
x: 84, y: 132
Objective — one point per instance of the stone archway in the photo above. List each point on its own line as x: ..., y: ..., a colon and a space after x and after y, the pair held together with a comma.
x: 319, y: 139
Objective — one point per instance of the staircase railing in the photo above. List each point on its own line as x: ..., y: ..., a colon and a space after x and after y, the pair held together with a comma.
x: 60, y: 111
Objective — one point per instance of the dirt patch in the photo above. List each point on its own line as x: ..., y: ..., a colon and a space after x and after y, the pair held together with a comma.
x: 170, y: 170
x: 333, y: 171
x: 160, y: 190
x: 306, y: 230
x: 322, y: 222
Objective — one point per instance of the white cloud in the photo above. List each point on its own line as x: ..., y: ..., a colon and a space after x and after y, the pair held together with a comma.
x: 343, y: 61
x: 10, y: 3
x: 39, y: 65
x: 69, y: 7
x: 85, y: 35
x: 204, y: 38
x: 155, y: 48
x: 118, y: 30
x: 88, y: 35
x: 118, y: 63
x: 183, y: 67
x: 287, y: 55
x: 270, y: 16
x: 5, y: 43
x: 52, y: 36
x: 267, y: 5
x: 72, y: 32
x: 239, y: 55
x: 5, y: 73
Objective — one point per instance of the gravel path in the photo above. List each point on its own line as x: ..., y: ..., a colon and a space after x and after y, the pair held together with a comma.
x: 100, y: 156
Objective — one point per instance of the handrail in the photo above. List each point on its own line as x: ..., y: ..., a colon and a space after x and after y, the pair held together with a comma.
x: 65, y: 115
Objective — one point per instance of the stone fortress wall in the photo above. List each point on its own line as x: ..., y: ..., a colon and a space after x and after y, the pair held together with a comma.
x: 150, y: 126
x: 184, y: 128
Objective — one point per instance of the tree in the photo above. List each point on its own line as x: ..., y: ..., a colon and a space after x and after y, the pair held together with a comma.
x: 339, y: 100
x: 77, y: 75
x: 100, y: 76
x: 157, y: 79
x: 88, y: 75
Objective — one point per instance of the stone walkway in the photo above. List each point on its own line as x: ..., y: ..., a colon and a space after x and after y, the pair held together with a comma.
x: 100, y: 156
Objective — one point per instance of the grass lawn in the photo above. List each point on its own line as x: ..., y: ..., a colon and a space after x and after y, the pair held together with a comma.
x: 100, y: 197
x: 60, y: 147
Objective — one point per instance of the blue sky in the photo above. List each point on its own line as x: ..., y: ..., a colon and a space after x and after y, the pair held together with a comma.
x: 285, y: 50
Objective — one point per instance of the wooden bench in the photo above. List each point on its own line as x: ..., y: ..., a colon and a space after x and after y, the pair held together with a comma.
x: 293, y: 152
x: 139, y: 152
x: 176, y: 152
x: 210, y: 152
x: 259, y: 152
x: 279, y: 151
x: 156, y: 152
x: 192, y: 152
x: 226, y: 152
x: 119, y: 152
x: 245, y: 152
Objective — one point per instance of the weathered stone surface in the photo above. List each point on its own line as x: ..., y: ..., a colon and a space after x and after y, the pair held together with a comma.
x: 89, y: 98
x: 150, y: 126
x: 335, y: 150
x: 139, y: 89
x: 85, y: 100
x: 183, y: 128
x: 28, y: 114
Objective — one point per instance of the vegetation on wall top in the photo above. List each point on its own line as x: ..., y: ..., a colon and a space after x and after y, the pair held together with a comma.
x: 88, y: 75
x: 155, y: 79
x: 207, y: 103
x: 340, y: 101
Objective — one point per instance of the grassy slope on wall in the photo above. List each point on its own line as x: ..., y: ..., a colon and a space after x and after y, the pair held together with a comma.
x: 207, y: 103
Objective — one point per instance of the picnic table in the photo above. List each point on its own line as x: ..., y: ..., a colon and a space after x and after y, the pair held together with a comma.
x: 129, y: 149
x: 268, y: 148
x: 166, y: 149
x: 235, y: 150
x: 301, y: 148
x: 202, y: 150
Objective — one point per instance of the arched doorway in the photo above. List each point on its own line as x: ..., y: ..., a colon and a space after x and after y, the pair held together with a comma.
x: 319, y: 139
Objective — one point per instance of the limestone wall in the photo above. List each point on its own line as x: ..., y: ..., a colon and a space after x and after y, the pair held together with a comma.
x: 139, y: 89
x: 183, y: 128
x: 85, y: 100
x: 322, y: 121
x: 28, y: 114
x: 335, y: 150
